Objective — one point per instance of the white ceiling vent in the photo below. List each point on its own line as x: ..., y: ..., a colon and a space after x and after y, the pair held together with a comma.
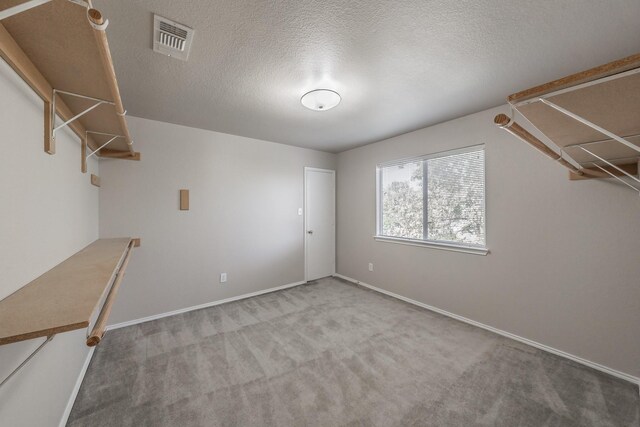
x: 170, y: 38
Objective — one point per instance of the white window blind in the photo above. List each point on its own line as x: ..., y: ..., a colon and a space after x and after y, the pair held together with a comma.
x: 438, y: 198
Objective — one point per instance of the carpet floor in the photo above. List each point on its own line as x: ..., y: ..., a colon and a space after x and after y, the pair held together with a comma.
x: 330, y: 353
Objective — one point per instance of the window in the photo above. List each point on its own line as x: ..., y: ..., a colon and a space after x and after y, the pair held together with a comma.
x: 435, y: 200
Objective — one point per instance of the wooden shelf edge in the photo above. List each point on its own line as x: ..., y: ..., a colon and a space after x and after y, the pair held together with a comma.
x: 124, y: 155
x: 44, y: 333
x: 66, y: 297
x: 609, y: 69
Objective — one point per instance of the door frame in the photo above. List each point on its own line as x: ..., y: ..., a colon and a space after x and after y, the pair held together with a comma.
x: 304, y: 209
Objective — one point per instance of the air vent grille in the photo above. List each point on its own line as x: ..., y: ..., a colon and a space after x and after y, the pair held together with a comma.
x: 171, y: 41
x: 172, y: 29
x: 171, y: 38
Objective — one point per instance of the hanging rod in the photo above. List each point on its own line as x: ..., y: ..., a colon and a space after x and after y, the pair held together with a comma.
x: 97, y: 333
x: 508, y: 124
x: 25, y: 361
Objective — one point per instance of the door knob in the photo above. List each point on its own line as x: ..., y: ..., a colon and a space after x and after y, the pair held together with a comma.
x: 309, y: 231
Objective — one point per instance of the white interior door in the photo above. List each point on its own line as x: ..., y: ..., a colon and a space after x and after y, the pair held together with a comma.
x: 320, y: 223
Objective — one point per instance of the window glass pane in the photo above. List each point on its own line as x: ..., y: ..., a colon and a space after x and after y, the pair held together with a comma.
x: 455, y: 201
x: 402, y: 194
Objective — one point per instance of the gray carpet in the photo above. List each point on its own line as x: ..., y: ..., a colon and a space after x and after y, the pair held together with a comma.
x: 333, y: 354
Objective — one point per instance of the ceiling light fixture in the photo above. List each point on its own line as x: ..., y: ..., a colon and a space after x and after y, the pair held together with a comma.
x: 320, y: 99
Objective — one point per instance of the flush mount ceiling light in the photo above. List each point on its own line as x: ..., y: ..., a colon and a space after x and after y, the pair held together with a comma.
x: 320, y: 99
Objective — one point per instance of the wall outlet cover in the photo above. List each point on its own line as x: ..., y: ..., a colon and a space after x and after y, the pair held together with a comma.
x: 223, y: 277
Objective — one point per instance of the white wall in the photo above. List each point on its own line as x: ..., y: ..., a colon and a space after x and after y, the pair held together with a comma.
x: 244, y: 221
x: 564, y: 267
x: 49, y: 211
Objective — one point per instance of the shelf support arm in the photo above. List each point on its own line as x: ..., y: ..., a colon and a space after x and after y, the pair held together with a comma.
x: 590, y: 124
x: 52, y: 128
x: 28, y: 5
x: 25, y: 361
x: 113, y: 137
x: 22, y: 7
x: 616, y: 177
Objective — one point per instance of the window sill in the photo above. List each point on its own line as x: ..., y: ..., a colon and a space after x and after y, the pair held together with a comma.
x: 434, y: 245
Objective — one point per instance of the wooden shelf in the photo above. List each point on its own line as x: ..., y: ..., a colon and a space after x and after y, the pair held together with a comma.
x: 66, y: 297
x: 573, y: 112
x: 60, y: 45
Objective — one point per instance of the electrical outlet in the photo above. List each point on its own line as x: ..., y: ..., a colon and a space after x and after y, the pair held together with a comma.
x: 370, y: 266
x: 223, y: 277
x: 300, y: 211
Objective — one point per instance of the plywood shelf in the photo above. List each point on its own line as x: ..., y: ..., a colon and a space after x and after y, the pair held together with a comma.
x: 62, y: 46
x: 590, y: 120
x: 65, y: 298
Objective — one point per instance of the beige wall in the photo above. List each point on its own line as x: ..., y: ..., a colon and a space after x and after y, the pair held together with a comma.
x: 49, y: 212
x: 244, y: 221
x: 564, y: 267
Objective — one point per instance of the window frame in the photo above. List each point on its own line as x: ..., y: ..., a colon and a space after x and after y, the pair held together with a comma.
x: 435, y: 244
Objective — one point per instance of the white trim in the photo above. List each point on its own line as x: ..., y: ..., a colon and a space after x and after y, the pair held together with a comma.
x: 83, y: 371
x: 535, y: 344
x: 198, y: 307
x: 76, y: 389
x: 475, y: 250
x: 432, y: 243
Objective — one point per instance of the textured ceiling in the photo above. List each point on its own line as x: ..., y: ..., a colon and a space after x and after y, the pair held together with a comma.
x: 398, y: 65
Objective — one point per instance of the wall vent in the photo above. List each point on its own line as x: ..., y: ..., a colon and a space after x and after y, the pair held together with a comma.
x: 171, y: 39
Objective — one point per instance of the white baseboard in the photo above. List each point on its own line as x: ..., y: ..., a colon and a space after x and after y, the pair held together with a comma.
x: 205, y: 305
x: 83, y: 371
x: 76, y: 389
x: 535, y: 344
